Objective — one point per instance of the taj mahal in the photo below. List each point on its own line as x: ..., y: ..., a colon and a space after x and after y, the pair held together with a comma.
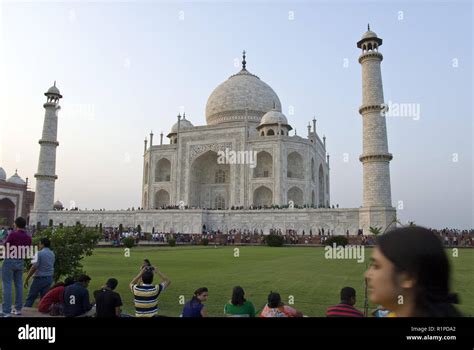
x: 282, y: 182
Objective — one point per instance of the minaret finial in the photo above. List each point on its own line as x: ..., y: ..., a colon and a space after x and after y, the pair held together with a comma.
x: 244, y: 63
x: 368, y: 27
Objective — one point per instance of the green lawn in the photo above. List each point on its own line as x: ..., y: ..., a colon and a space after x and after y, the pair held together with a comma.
x: 301, y: 272
x: 304, y: 273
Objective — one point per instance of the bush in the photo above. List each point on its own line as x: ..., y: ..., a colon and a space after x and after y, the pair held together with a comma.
x: 172, y: 242
x: 204, y: 241
x: 128, y: 242
x: 274, y: 240
x: 70, y: 245
x: 339, y: 240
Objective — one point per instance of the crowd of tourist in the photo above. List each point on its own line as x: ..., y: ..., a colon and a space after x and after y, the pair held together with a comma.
x: 394, y: 267
x: 186, y: 207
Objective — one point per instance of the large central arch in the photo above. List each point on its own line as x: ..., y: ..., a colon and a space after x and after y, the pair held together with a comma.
x: 209, y: 182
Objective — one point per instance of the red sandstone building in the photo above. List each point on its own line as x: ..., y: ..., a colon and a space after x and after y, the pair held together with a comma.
x: 15, y: 198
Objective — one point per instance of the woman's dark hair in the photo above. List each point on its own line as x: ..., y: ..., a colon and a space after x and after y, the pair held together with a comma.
x: 274, y: 300
x: 83, y: 278
x: 197, y: 292
x: 238, y: 296
x: 419, y: 252
x: 147, y: 262
x: 67, y: 282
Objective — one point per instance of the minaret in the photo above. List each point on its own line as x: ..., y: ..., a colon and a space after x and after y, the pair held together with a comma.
x: 375, y: 157
x: 46, y: 175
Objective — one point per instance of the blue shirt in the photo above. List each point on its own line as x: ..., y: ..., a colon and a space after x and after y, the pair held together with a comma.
x: 44, y: 263
x: 192, y: 309
x: 76, y: 300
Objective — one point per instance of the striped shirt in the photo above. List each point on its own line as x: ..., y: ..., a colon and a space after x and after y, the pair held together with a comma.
x: 343, y: 310
x: 146, y: 299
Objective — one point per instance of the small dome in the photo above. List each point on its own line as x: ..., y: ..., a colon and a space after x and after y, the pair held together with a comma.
x: 15, y: 179
x: 273, y: 117
x: 369, y: 35
x: 58, y: 205
x: 183, y: 124
x: 3, y: 174
x: 53, y: 90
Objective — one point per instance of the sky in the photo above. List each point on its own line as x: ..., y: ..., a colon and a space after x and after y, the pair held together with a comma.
x: 128, y: 67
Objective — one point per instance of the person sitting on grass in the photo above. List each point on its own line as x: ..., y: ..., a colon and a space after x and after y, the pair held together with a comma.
x: 53, y: 301
x: 146, y: 293
x: 195, y: 307
x: 238, y: 306
x: 410, y: 274
x: 76, y: 299
x: 346, y: 307
x: 107, y: 301
x: 276, y: 308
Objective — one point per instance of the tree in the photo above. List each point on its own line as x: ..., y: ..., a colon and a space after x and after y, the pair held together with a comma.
x: 274, y: 240
x: 375, y: 230
x: 70, y: 245
x: 128, y: 242
x: 339, y: 240
x: 139, y: 229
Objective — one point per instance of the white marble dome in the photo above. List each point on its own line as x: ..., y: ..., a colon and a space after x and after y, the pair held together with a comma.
x: 273, y: 117
x: 183, y: 124
x: 16, y: 179
x: 229, y: 101
x: 369, y: 35
x: 3, y: 174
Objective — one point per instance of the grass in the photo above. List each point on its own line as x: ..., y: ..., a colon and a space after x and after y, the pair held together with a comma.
x: 301, y: 272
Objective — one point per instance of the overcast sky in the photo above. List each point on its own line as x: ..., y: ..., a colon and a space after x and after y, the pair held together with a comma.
x: 125, y: 68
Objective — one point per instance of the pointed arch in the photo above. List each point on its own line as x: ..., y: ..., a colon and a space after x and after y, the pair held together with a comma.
x: 263, y: 196
x: 163, y: 170
x: 321, y: 185
x: 295, y: 194
x: 162, y: 199
x: 264, y: 166
x: 295, y: 168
